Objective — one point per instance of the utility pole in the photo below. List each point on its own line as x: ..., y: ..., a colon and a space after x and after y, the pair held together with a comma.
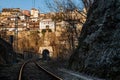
x: 16, y: 32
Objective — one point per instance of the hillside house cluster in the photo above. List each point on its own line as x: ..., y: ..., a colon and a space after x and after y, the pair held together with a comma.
x: 19, y: 23
x: 12, y: 18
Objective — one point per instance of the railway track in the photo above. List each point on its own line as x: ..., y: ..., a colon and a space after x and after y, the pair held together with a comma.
x: 31, y: 70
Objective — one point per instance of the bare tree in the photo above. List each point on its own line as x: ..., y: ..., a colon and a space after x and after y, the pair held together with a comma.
x: 63, y: 5
x: 71, y: 12
x: 87, y: 3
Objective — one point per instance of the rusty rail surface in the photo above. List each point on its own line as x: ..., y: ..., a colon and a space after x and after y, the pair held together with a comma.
x: 41, y: 68
x: 21, y: 70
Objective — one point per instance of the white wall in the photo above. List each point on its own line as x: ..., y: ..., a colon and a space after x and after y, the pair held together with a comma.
x: 48, y: 22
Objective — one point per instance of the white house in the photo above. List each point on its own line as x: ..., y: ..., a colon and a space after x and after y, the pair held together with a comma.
x: 47, y: 22
x: 34, y: 14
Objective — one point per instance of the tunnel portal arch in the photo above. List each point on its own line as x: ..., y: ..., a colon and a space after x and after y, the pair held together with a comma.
x: 46, y: 54
x: 50, y: 49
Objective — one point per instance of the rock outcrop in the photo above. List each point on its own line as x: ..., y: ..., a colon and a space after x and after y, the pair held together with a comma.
x: 7, y: 55
x: 99, y: 45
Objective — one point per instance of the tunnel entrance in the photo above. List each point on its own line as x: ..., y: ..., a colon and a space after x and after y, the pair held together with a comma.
x: 49, y: 48
x: 45, y: 54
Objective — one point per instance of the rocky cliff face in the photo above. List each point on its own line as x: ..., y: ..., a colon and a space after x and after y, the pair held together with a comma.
x: 7, y: 55
x: 99, y: 48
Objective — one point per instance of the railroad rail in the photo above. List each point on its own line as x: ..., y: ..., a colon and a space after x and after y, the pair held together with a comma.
x: 40, y: 68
